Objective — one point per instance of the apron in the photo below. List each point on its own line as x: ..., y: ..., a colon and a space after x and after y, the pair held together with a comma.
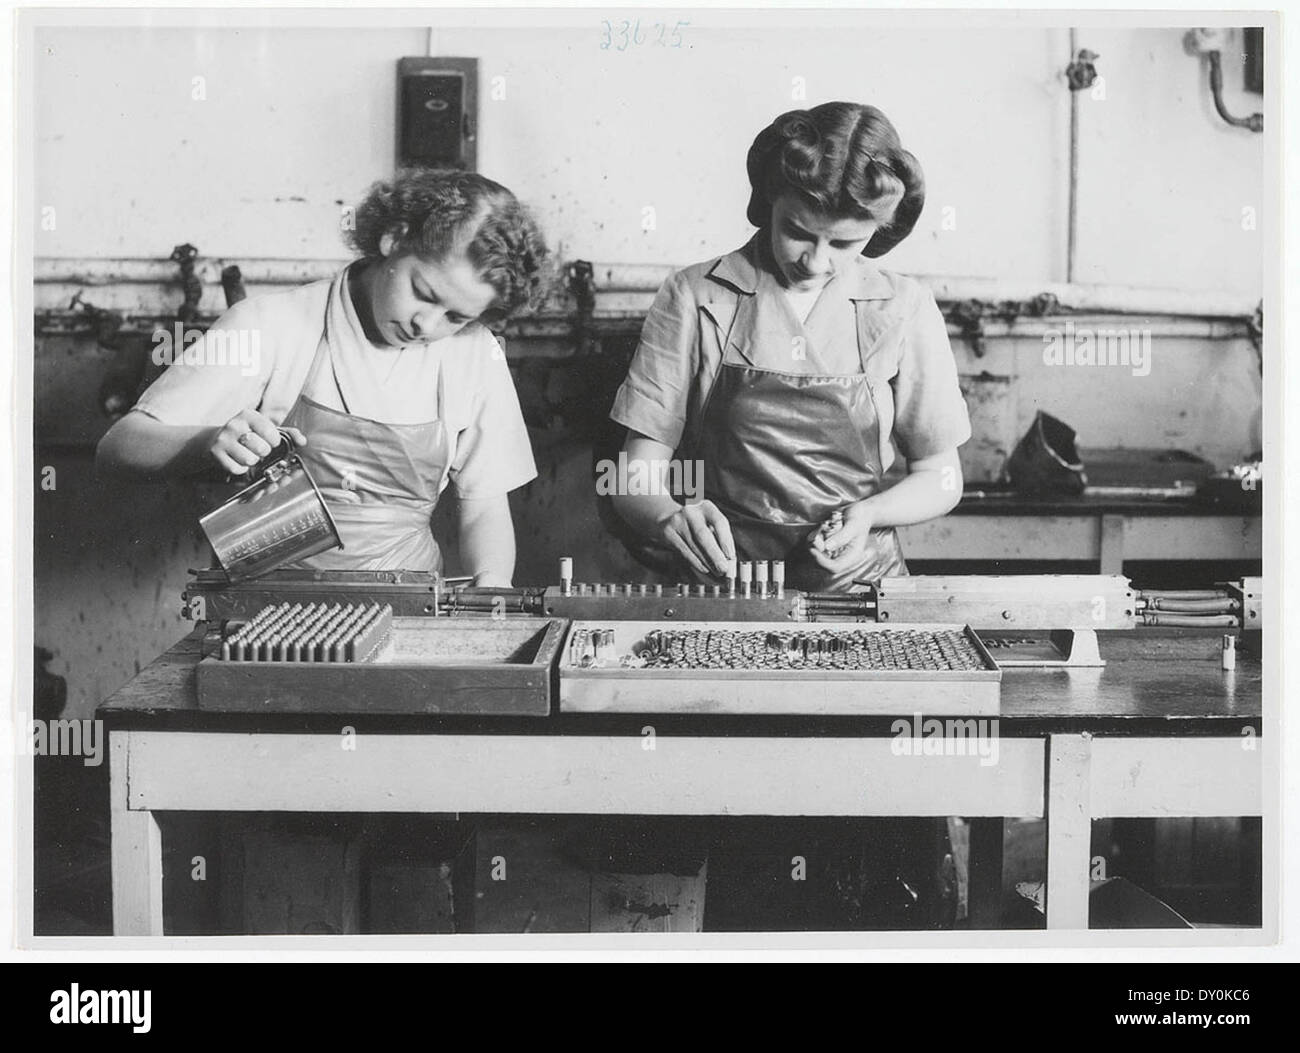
x: 782, y: 451
x: 380, y: 481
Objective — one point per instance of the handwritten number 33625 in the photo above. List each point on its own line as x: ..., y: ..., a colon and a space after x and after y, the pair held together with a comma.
x: 622, y: 35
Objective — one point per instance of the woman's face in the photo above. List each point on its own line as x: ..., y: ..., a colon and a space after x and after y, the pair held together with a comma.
x: 411, y: 300
x: 811, y: 247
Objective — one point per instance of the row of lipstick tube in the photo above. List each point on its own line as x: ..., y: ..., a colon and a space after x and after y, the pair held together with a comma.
x: 746, y: 579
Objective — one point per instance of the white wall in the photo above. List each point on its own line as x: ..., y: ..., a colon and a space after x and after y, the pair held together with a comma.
x: 297, y: 120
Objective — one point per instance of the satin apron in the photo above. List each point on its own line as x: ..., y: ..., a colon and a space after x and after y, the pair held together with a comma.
x: 782, y: 451
x: 381, y: 482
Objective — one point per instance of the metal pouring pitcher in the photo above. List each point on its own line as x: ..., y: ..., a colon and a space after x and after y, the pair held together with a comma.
x: 280, y: 518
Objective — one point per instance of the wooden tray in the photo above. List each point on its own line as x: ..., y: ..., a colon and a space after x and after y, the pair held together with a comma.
x: 809, y: 692
x: 428, y: 665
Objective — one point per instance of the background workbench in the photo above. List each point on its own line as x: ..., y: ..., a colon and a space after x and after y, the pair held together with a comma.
x: 1104, y: 531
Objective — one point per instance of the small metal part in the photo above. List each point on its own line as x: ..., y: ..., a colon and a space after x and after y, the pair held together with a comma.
x: 659, y: 590
x: 566, y: 575
x: 683, y: 590
x: 1229, y: 652
x: 778, y: 577
x: 699, y: 591
x: 715, y: 591
x: 642, y: 589
x: 760, y: 578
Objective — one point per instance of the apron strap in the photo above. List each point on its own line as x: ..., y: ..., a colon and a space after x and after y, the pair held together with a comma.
x: 690, y: 441
x: 447, y: 430
x: 318, y: 359
x: 323, y: 345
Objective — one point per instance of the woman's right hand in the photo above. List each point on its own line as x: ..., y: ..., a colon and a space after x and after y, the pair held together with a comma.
x: 702, y: 536
x: 246, y: 438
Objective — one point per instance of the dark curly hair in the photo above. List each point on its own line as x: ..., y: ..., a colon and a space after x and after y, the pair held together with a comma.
x: 433, y: 212
x: 843, y: 158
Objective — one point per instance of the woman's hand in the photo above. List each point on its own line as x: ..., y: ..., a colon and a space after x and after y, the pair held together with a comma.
x: 246, y: 438
x: 702, y: 536
x: 696, y: 530
x: 841, y: 542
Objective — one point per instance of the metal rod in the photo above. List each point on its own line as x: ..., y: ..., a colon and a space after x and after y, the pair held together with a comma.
x: 1190, y: 621
x: 1184, y: 594
x: 1223, y: 606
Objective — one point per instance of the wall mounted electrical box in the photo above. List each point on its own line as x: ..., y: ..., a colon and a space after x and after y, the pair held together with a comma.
x: 437, y: 112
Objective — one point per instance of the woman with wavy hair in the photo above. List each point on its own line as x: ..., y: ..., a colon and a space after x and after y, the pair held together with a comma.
x: 792, y: 367
x: 382, y: 375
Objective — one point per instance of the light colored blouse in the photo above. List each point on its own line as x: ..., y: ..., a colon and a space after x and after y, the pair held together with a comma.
x: 259, y: 352
x: 909, y: 360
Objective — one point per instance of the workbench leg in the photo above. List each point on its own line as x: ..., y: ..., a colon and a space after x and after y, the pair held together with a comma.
x: 984, y: 867
x: 1069, y: 830
x: 136, y: 853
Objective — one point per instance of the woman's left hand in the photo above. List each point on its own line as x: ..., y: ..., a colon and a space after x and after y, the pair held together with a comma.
x: 842, y: 541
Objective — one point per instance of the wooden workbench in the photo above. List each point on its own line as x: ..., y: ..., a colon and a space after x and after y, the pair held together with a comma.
x: 1152, y: 734
x: 1104, y: 531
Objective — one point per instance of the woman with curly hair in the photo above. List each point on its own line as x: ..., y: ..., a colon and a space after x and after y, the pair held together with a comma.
x: 791, y: 367
x: 382, y: 375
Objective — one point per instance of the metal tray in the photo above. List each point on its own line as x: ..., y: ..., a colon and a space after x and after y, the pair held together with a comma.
x: 807, y: 691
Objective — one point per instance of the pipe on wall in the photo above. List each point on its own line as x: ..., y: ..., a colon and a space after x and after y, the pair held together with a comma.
x: 117, y: 283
